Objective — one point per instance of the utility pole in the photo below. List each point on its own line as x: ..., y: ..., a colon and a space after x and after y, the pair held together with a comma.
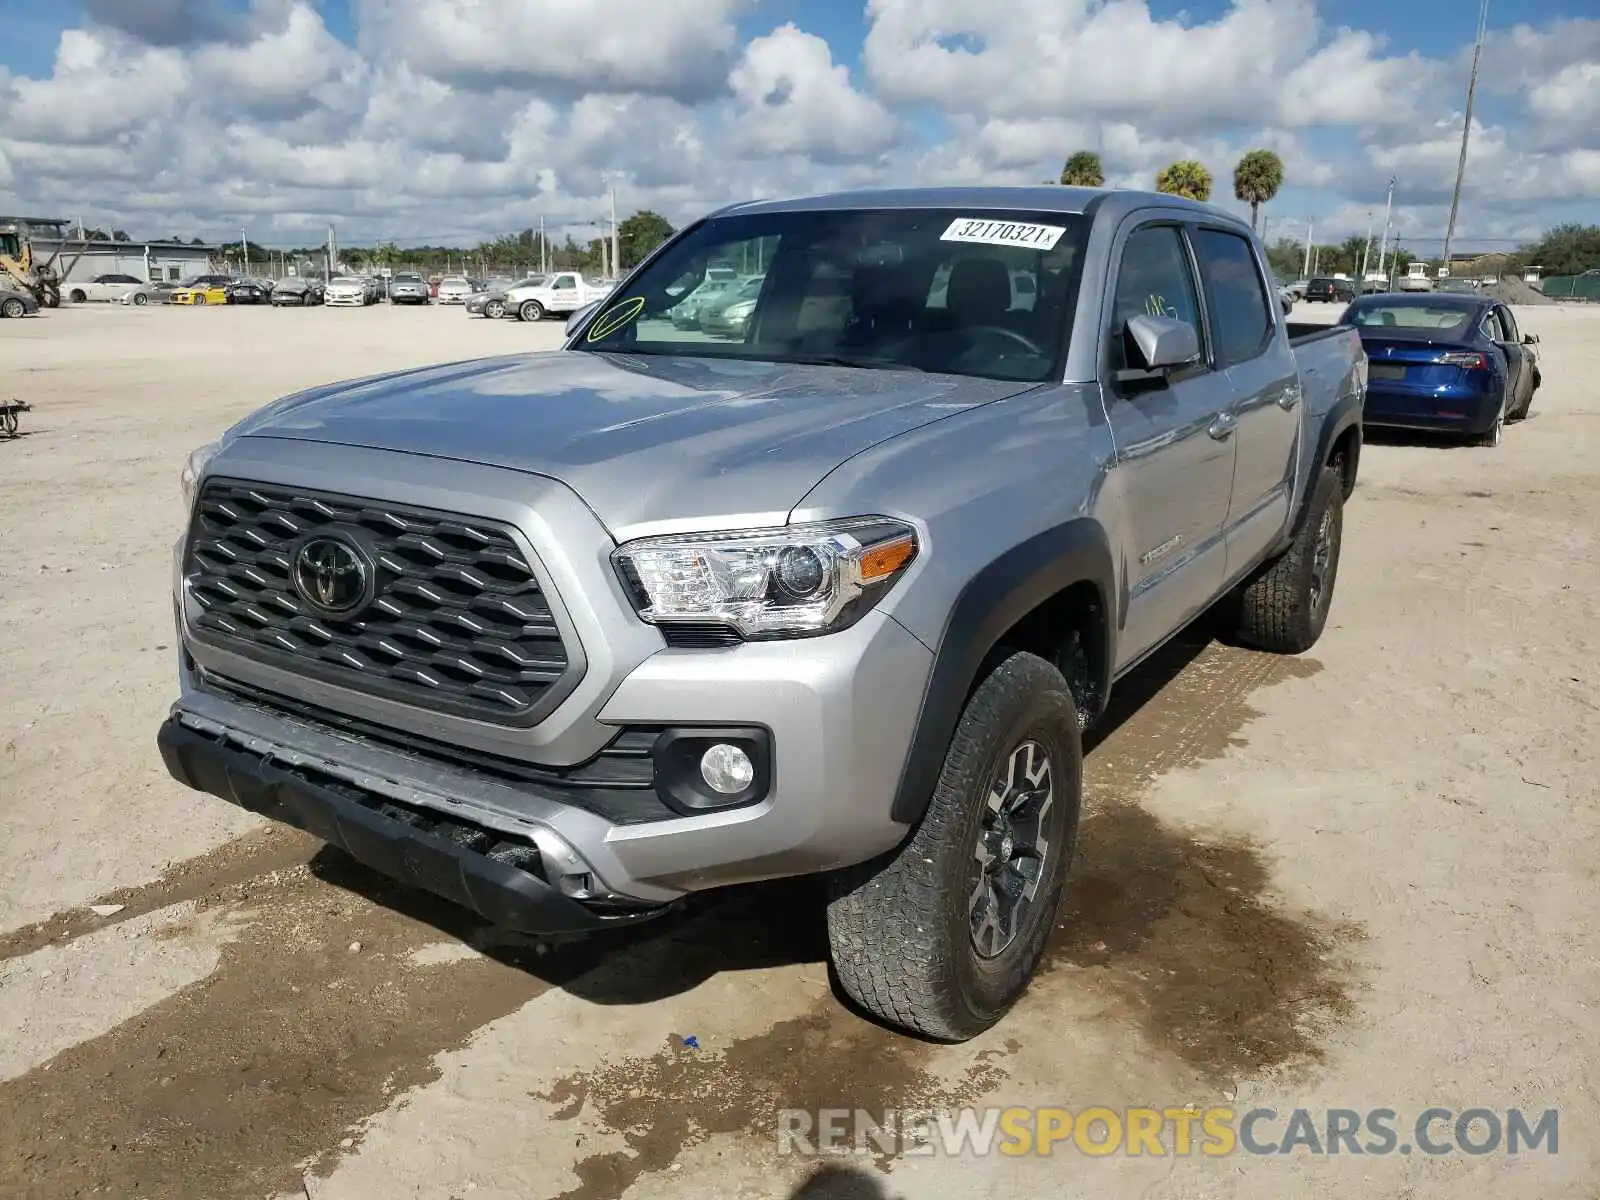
x: 1306, y: 271
x: 1388, y: 208
x: 244, y: 248
x: 1466, y: 131
x: 616, y: 254
x: 1366, y: 253
x: 333, y: 254
x: 543, y: 270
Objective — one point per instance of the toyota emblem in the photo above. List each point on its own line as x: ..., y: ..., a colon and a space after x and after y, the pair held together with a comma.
x: 332, y: 575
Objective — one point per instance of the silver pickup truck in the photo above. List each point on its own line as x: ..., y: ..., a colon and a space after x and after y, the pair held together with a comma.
x: 566, y: 637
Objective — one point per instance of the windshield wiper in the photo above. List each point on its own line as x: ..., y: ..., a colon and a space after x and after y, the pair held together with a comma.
x: 845, y: 360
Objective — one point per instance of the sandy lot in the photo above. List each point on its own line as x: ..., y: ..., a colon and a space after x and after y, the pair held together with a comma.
x: 1363, y: 879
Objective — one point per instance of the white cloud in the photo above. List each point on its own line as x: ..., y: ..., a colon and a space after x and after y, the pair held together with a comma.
x: 101, y: 88
x: 795, y: 100
x: 452, y: 119
x: 680, y: 48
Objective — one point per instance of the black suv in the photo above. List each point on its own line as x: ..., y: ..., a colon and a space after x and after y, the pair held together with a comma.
x: 1324, y: 288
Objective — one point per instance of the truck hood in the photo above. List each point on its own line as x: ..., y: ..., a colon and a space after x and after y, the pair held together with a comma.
x: 645, y: 440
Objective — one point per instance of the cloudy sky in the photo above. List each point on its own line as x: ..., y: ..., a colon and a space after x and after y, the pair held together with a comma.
x: 446, y: 120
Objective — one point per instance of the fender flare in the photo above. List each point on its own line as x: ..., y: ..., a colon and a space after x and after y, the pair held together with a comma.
x: 989, y: 605
x: 1343, y: 416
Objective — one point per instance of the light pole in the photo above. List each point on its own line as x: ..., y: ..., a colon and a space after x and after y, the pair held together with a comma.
x: 1388, y: 208
x: 1305, y: 272
x: 1466, y: 132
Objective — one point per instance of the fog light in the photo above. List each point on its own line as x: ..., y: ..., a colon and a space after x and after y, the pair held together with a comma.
x: 727, y: 769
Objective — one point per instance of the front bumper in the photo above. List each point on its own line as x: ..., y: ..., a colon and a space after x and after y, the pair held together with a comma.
x: 838, y: 711
x: 504, y: 880
x: 334, y: 301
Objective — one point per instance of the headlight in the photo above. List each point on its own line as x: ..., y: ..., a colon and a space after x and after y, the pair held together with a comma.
x: 189, y: 481
x: 769, y: 583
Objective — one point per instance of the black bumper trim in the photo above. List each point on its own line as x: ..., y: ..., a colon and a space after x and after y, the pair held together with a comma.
x: 464, y: 863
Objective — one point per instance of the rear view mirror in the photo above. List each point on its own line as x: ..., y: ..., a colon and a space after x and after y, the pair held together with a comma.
x: 1164, y: 343
x: 579, y: 316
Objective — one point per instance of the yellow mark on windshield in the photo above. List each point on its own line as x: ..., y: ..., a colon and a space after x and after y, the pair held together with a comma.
x: 615, y: 318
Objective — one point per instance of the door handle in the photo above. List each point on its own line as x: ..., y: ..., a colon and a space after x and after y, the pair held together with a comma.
x: 1288, y: 398
x: 1222, y: 428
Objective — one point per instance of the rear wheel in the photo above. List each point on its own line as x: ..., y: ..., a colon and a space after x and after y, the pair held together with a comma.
x: 1284, y: 608
x: 1496, y: 433
x: 140, y: 299
x: 942, y: 936
x: 77, y: 296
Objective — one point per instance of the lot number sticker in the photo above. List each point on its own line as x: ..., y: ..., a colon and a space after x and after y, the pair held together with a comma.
x: 1003, y: 233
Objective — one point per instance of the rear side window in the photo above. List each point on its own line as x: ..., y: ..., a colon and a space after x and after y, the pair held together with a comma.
x: 1154, y: 279
x: 1241, y: 317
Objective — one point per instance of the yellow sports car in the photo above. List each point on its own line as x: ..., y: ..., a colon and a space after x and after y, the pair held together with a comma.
x: 206, y: 289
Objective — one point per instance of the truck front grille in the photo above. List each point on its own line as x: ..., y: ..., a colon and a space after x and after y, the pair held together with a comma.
x: 455, y: 620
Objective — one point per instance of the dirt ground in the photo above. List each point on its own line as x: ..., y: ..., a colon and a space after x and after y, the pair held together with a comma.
x: 1366, y: 878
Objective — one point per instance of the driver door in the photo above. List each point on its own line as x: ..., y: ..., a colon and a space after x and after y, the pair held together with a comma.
x: 1172, y: 472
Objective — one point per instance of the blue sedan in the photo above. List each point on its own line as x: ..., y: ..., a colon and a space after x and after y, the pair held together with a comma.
x: 1444, y: 363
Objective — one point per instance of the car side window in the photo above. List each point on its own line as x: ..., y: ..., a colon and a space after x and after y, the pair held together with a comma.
x: 563, y: 282
x: 1154, y: 279
x: 1241, y: 316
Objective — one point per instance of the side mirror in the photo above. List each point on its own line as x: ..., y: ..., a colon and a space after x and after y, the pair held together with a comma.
x: 1530, y: 339
x: 1165, y: 343
x: 579, y: 316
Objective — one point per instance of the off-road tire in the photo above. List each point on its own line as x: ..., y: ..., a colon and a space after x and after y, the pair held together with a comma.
x: 900, y: 926
x: 530, y: 310
x: 13, y: 308
x: 1276, y: 609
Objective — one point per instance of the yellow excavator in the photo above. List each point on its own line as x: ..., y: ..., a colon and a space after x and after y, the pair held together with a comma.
x: 18, y: 267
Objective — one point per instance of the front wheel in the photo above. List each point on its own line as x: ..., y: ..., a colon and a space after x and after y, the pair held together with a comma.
x: 941, y: 936
x: 531, y: 310
x: 13, y: 308
x: 1284, y: 608
x: 199, y: 299
x: 494, y: 310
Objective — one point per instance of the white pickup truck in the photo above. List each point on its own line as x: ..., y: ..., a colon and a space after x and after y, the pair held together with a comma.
x: 561, y: 292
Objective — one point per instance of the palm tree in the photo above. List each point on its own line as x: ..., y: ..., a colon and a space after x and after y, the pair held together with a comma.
x: 1256, y: 179
x: 1083, y: 170
x: 1185, y: 178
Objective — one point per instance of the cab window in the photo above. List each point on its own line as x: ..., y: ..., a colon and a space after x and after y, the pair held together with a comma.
x: 1154, y: 279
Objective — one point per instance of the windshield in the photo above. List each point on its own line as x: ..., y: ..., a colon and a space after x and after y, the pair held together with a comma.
x: 1446, y: 319
x: 909, y: 289
x: 452, y: 281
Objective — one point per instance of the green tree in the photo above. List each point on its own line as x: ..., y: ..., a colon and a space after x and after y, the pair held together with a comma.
x: 1083, y: 170
x: 1186, y: 177
x: 1350, y: 251
x: 1256, y: 180
x: 640, y: 234
x: 1568, y: 249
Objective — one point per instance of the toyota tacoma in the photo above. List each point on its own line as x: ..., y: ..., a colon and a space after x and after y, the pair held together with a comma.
x: 568, y: 636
